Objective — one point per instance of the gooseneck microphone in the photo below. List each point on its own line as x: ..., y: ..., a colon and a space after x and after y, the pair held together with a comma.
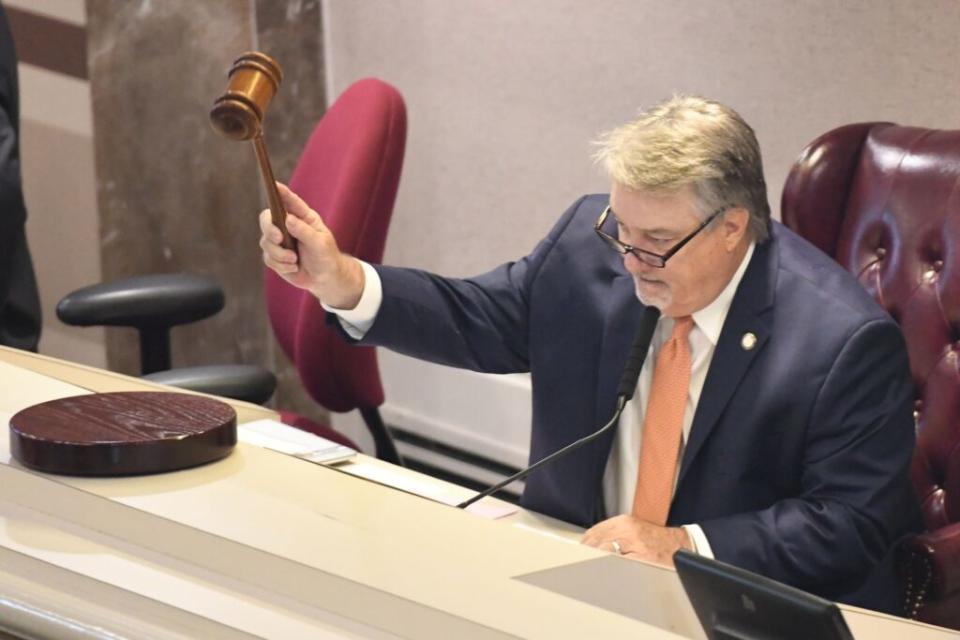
x: 628, y: 382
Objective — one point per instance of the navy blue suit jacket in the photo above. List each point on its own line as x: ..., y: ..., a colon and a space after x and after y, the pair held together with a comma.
x: 797, y: 461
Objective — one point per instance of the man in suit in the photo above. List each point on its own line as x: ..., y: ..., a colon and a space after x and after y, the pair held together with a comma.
x: 19, y: 303
x: 771, y: 427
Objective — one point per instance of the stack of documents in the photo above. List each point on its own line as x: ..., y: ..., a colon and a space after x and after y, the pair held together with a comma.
x: 277, y: 436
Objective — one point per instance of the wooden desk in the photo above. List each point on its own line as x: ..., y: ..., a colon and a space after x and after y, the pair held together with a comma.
x: 271, y: 546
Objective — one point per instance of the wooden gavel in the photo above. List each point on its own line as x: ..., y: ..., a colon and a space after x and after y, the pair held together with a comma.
x: 238, y: 114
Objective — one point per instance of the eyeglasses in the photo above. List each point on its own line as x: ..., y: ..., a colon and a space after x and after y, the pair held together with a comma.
x: 649, y: 257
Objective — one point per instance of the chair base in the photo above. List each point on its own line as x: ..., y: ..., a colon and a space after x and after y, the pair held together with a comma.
x: 382, y: 438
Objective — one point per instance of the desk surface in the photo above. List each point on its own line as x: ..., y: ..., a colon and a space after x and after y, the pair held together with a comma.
x: 268, y: 545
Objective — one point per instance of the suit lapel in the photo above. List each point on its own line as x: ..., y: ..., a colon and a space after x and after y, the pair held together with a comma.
x: 731, y: 359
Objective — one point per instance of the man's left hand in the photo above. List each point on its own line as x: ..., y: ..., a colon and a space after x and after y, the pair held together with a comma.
x: 638, y: 539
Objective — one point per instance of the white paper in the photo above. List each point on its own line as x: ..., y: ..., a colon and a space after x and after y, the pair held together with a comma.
x: 271, y: 434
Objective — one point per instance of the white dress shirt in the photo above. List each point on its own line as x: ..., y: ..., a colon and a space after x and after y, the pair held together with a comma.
x: 620, y: 478
x: 357, y: 321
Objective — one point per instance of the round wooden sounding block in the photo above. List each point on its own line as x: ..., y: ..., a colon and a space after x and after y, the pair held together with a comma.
x: 126, y: 433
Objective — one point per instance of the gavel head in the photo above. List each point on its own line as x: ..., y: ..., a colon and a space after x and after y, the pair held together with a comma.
x: 252, y: 82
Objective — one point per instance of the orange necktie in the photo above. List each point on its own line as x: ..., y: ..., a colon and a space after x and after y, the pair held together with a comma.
x: 663, y: 426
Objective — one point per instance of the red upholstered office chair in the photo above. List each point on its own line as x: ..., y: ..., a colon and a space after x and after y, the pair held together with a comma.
x: 348, y: 172
x: 884, y: 200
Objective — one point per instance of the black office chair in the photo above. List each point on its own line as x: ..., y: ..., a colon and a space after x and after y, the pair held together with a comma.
x: 153, y: 305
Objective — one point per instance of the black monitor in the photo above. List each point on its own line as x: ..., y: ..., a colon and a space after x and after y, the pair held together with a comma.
x: 735, y: 604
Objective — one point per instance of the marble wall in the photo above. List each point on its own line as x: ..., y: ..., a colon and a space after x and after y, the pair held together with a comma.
x: 175, y: 196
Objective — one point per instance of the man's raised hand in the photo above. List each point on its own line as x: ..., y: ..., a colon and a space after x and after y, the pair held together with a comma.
x: 321, y: 268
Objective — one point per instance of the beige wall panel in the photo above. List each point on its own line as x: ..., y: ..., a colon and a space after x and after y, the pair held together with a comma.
x: 505, y: 96
x: 55, y: 100
x: 62, y: 230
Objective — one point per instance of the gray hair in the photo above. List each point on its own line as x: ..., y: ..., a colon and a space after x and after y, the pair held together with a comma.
x: 691, y: 141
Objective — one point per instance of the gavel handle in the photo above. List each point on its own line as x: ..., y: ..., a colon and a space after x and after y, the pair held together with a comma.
x: 277, y: 212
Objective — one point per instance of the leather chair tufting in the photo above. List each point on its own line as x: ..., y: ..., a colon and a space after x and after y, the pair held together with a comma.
x: 884, y: 201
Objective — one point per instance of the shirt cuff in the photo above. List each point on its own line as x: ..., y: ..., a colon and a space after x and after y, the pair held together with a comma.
x: 699, y: 539
x: 357, y: 321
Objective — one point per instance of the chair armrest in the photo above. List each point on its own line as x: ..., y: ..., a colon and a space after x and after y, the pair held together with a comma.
x: 237, y: 381
x: 162, y: 300
x: 937, y: 553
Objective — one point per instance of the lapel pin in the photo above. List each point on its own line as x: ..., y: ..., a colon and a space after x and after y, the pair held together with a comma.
x: 748, y: 341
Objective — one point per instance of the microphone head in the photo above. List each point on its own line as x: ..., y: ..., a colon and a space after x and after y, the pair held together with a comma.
x: 651, y: 315
x: 648, y: 324
x: 638, y: 352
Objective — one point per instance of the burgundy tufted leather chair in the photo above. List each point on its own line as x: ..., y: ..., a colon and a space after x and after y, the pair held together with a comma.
x: 884, y: 201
